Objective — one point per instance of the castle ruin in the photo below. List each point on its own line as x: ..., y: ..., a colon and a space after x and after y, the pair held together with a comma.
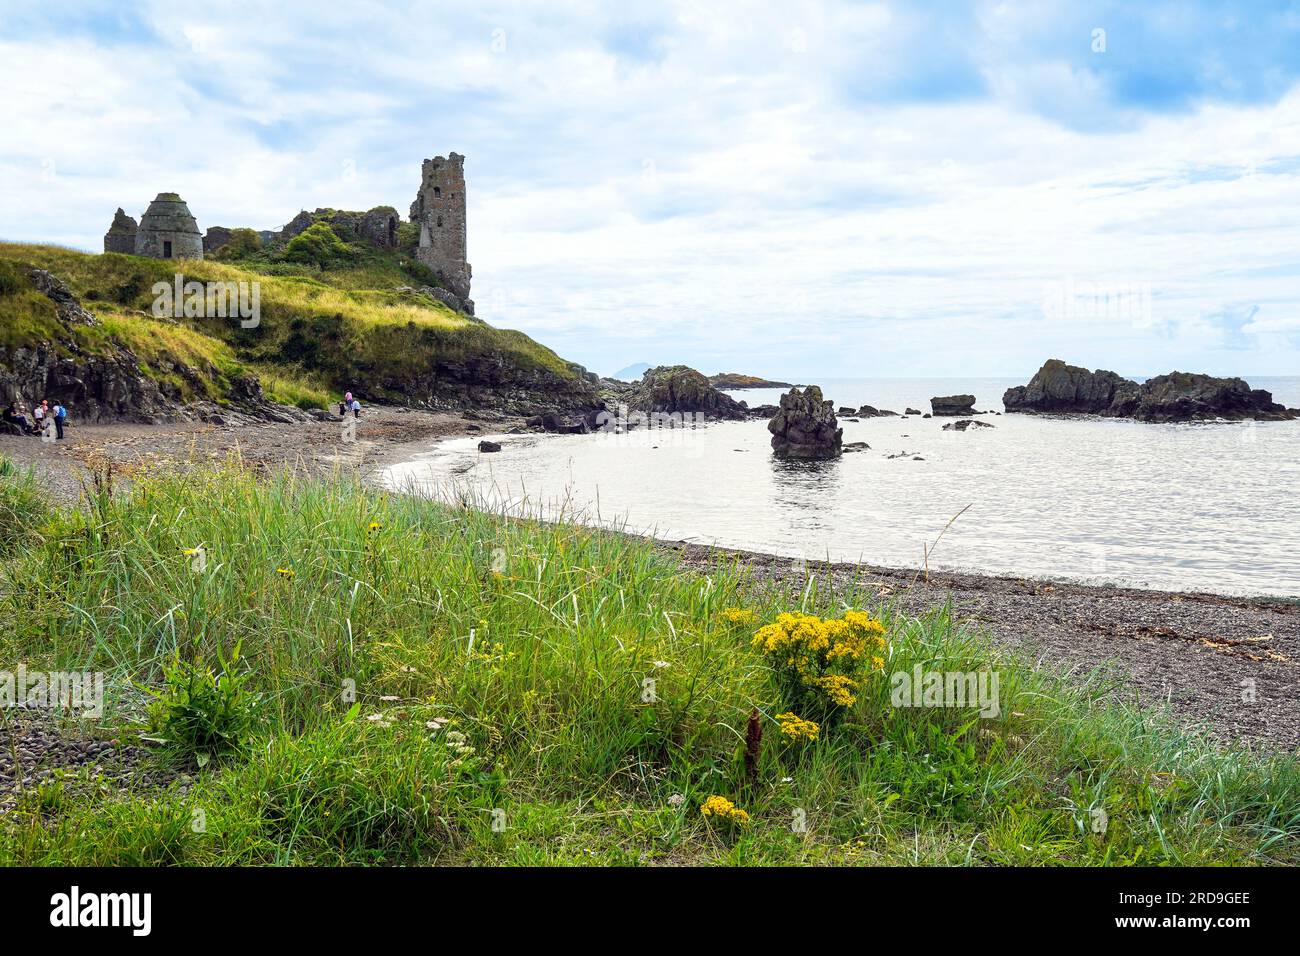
x: 167, y: 230
x: 439, y: 211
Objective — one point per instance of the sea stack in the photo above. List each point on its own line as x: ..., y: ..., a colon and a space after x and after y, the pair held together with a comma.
x: 805, y: 426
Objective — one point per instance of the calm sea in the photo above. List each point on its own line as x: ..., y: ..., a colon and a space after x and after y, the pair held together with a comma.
x: 1180, y: 507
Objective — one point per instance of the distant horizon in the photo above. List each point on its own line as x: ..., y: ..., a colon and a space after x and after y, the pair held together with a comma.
x: 816, y: 380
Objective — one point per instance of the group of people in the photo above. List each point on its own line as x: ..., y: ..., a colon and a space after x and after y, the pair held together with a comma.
x: 349, y: 404
x: 45, y: 419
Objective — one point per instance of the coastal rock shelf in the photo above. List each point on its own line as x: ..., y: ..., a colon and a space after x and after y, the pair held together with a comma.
x: 1179, y: 396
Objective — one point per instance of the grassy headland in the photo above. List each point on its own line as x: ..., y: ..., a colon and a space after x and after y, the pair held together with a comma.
x: 353, y: 677
x: 321, y: 331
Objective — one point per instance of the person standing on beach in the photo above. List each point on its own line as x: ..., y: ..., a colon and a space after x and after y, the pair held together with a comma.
x: 60, y: 413
x: 345, y: 405
x: 38, y: 416
x: 355, y: 406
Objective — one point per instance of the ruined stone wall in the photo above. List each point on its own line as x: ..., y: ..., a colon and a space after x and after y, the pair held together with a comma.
x: 121, y: 234
x: 439, y: 211
x: 215, y: 238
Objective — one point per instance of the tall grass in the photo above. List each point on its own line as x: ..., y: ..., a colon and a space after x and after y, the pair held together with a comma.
x: 441, y: 684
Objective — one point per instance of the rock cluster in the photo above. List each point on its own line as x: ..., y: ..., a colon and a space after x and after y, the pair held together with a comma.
x: 1179, y: 396
x: 805, y: 426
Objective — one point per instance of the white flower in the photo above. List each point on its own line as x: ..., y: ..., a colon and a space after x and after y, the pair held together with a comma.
x: 676, y: 800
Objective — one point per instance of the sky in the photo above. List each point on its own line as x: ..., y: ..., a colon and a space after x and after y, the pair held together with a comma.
x: 790, y: 190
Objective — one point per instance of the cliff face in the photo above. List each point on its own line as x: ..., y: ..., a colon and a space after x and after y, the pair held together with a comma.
x: 68, y: 357
x: 1178, y: 396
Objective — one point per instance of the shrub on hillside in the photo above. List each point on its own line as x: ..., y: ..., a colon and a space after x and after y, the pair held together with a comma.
x: 319, y: 245
x: 242, y: 244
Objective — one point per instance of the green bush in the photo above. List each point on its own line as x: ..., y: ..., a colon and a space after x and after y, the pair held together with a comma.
x: 408, y: 237
x: 242, y: 244
x: 202, y: 713
x: 319, y: 245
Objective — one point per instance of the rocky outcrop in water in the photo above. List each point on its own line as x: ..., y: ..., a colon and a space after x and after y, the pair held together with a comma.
x: 805, y: 426
x: 678, y: 388
x: 735, y: 380
x: 953, y: 405
x: 1179, y: 396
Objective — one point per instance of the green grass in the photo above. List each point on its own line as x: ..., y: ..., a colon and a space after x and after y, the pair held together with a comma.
x: 541, y: 668
x: 321, y: 333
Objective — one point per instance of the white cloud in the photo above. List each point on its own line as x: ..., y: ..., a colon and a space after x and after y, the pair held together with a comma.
x: 720, y: 186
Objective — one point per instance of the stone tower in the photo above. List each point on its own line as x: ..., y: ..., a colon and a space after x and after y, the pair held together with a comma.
x: 439, y: 211
x: 168, y: 231
x: 121, y: 234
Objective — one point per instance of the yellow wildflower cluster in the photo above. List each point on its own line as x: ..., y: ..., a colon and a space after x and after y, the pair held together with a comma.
x: 837, y: 688
x: 796, y: 728
x: 739, y: 615
x: 825, y: 656
x: 724, y: 809
x: 851, y: 637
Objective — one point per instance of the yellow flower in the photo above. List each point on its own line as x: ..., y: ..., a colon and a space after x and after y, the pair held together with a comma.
x: 724, y: 809
x: 796, y: 728
x: 375, y: 526
x: 838, y: 688
x: 285, y: 572
x: 739, y: 615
